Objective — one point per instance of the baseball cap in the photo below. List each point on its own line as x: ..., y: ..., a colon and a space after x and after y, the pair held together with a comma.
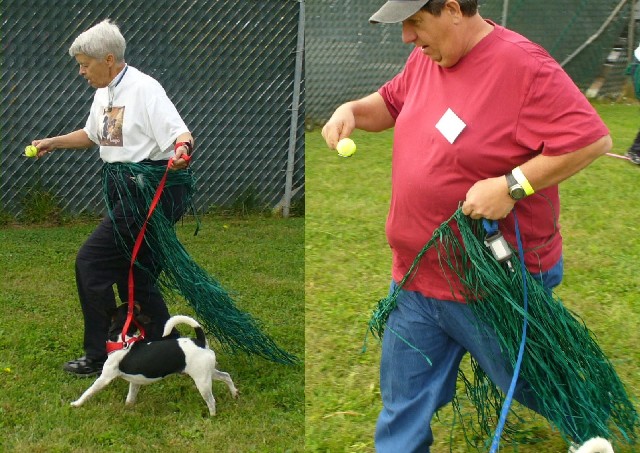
x: 396, y: 11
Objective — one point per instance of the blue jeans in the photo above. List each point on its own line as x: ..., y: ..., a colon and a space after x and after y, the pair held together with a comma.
x: 412, y: 390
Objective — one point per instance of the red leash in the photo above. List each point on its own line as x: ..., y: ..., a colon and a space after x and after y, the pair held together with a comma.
x: 136, y: 248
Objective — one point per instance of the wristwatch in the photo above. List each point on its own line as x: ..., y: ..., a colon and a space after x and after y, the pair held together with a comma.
x: 516, y: 191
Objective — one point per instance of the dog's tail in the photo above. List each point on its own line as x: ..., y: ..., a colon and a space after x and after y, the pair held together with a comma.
x: 201, y: 339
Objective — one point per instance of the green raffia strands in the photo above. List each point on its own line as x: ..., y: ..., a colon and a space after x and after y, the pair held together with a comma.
x: 385, y: 306
x: 566, y: 368
x: 135, y: 185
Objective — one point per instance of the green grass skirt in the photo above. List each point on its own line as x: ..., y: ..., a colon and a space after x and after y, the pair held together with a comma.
x: 234, y: 329
x: 578, y: 390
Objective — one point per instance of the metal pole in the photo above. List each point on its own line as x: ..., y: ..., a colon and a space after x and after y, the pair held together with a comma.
x: 631, y: 39
x: 505, y: 12
x: 293, y: 128
x: 593, y: 37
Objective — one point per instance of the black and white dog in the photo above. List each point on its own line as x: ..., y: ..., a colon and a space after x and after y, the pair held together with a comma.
x: 147, y: 362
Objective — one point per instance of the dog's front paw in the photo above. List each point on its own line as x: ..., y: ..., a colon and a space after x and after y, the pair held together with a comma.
x: 235, y: 393
x: 76, y: 403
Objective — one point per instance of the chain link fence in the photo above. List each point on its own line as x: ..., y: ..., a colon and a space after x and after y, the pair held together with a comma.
x: 233, y: 70
x: 348, y: 58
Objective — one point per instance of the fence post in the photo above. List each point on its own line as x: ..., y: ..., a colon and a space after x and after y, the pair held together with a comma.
x: 293, y: 131
x: 631, y: 38
x: 505, y: 12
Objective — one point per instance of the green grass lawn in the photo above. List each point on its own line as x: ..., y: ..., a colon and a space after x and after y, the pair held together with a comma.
x: 260, y: 260
x: 347, y: 270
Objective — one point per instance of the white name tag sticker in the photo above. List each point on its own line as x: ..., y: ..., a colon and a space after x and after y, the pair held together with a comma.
x: 450, y: 125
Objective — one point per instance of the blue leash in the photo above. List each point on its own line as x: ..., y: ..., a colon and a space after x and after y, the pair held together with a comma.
x: 492, y: 227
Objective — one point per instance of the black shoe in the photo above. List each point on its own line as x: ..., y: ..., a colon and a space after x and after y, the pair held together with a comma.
x: 84, y: 366
x: 634, y: 156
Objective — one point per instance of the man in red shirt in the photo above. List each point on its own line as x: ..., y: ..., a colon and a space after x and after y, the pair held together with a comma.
x: 485, y: 117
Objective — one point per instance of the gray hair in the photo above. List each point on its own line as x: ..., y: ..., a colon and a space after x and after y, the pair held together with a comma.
x: 99, y: 41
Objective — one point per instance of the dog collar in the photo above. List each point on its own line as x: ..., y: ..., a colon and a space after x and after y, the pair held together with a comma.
x: 113, y: 346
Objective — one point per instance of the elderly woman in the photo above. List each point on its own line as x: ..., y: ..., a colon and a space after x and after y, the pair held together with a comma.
x: 140, y: 134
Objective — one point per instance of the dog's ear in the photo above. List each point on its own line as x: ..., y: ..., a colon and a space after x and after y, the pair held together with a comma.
x: 140, y: 317
x: 143, y: 319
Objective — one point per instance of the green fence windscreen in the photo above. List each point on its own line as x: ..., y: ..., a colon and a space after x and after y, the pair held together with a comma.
x: 228, y: 66
x: 348, y: 58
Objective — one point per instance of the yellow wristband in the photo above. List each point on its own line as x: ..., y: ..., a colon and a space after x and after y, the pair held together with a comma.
x: 523, y: 181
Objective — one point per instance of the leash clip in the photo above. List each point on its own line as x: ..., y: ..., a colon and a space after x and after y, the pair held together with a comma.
x: 497, y: 244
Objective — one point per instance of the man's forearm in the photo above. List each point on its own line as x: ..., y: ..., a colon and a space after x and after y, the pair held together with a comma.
x: 371, y: 113
x: 544, y: 171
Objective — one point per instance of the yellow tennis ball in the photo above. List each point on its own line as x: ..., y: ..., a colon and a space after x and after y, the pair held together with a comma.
x: 346, y: 147
x: 30, y: 151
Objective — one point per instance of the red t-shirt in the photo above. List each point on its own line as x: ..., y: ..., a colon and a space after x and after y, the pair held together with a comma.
x: 515, y: 102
